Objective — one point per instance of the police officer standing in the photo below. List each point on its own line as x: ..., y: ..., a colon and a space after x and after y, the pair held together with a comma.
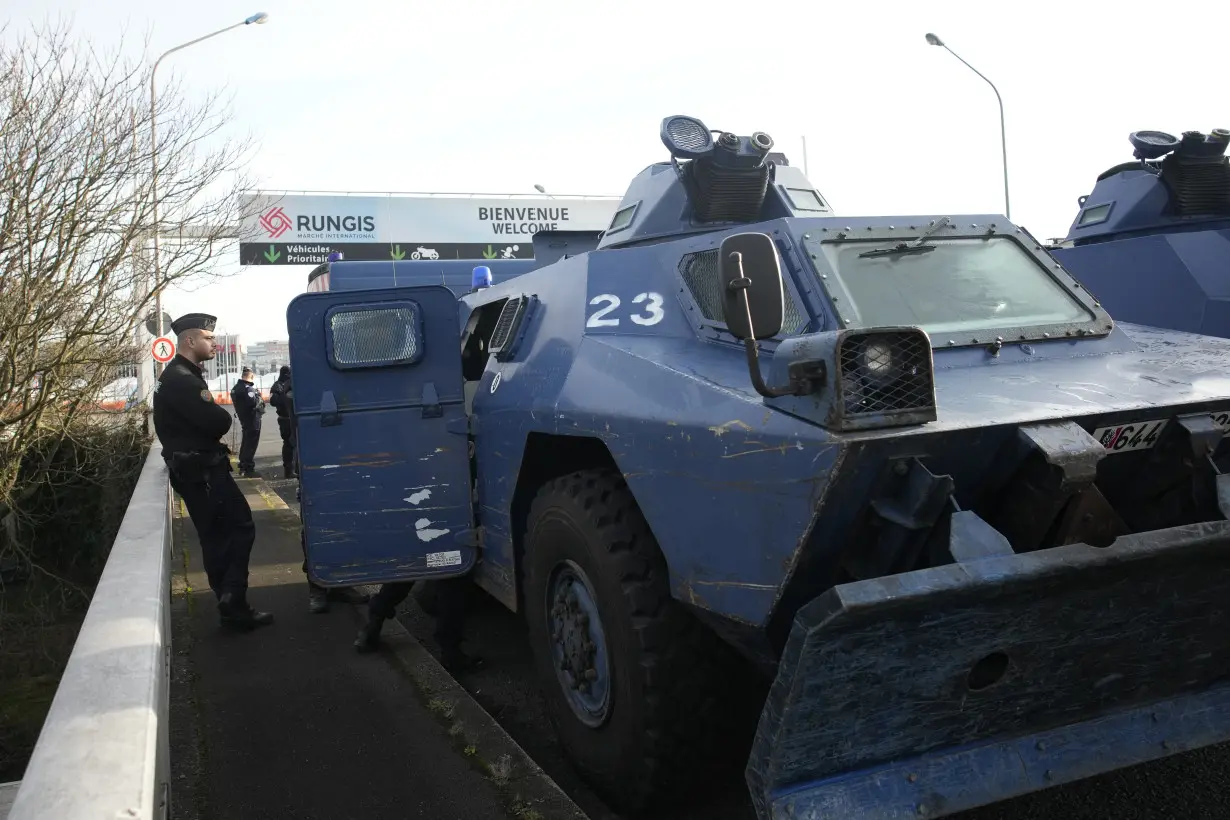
x: 189, y: 425
x: 249, y: 407
x: 282, y: 397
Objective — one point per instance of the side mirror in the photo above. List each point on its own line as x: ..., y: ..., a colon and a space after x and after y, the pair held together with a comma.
x: 753, y: 296
x: 754, y: 306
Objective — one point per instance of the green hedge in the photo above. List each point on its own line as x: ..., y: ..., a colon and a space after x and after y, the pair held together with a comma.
x: 83, y: 486
x: 75, y: 491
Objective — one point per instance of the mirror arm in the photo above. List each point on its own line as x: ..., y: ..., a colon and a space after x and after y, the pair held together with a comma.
x: 749, y: 344
x: 753, y: 366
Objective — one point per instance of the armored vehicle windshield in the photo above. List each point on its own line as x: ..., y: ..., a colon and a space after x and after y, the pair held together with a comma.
x: 985, y: 285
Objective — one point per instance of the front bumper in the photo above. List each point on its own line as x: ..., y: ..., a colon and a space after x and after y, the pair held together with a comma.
x: 939, y: 690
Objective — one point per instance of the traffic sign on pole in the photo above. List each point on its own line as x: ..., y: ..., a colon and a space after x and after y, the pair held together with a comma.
x: 163, y: 349
x: 152, y: 326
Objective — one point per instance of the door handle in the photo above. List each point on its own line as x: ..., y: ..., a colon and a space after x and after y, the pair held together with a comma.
x: 330, y: 416
x: 431, y: 401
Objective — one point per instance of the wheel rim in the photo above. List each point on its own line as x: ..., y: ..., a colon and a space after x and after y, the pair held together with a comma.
x: 578, y: 644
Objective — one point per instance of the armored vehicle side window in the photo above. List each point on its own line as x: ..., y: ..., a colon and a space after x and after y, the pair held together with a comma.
x: 1097, y: 213
x: 700, y: 274
x: 956, y: 285
x: 622, y: 218
x: 373, y: 335
x: 805, y: 199
x: 476, y: 340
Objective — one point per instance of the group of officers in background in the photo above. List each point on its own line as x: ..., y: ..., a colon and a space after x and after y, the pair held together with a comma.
x: 190, y: 426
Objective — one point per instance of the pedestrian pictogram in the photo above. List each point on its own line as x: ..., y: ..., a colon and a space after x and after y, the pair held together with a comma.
x: 163, y: 350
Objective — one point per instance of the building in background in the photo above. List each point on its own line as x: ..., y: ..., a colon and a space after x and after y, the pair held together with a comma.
x: 230, y: 358
x: 267, y: 357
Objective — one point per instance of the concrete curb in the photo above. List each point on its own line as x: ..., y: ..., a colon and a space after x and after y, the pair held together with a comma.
x: 530, y: 792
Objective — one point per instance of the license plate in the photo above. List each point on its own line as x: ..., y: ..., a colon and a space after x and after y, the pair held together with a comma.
x: 1140, y: 435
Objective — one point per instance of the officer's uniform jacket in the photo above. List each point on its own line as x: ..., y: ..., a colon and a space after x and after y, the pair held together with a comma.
x: 281, y: 397
x: 247, y: 401
x: 186, y: 418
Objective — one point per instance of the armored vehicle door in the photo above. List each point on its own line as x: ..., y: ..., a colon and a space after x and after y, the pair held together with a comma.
x: 384, y: 483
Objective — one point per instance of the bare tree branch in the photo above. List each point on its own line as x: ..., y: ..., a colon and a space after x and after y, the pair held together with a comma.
x: 76, y: 222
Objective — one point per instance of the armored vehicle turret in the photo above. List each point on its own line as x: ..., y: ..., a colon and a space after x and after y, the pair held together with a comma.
x: 969, y: 528
x: 1152, y: 240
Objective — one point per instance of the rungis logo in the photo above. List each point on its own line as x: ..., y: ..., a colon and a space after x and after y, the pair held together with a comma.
x: 275, y: 222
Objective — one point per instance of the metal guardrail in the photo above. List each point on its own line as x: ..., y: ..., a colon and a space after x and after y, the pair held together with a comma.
x: 104, y: 750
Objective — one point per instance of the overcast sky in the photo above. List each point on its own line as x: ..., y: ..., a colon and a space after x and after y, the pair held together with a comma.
x: 492, y: 96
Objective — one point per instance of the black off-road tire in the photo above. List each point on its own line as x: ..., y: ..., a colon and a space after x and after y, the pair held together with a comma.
x: 668, y: 720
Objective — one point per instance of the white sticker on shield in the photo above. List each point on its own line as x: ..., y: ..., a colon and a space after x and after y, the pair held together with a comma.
x: 444, y: 559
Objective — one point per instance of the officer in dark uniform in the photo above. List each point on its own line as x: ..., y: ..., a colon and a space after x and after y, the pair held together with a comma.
x: 189, y: 424
x: 451, y: 601
x: 249, y: 408
x: 282, y: 397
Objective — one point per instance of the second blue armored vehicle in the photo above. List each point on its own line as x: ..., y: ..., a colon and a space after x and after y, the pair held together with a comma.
x: 1152, y: 240
x: 972, y: 528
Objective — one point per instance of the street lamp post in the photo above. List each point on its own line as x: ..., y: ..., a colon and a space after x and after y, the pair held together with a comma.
x: 543, y: 190
x: 1003, y: 133
x: 260, y: 17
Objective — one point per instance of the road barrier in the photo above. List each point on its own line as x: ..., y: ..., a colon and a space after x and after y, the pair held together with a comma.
x: 104, y: 750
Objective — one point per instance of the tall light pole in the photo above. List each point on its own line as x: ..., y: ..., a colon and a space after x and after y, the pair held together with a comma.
x: 258, y: 18
x: 1003, y: 132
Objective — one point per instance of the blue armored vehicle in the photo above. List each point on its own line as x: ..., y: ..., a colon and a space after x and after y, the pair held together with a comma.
x: 971, y: 530
x: 1152, y: 240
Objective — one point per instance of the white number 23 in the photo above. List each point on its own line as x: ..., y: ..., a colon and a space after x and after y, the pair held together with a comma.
x: 650, y: 312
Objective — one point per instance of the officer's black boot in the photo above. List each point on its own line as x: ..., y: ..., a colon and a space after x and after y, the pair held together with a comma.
x: 369, y: 635
x: 318, y: 599
x: 235, y: 612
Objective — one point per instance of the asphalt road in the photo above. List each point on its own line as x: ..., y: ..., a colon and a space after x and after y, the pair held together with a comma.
x: 1190, y: 786
x: 287, y: 722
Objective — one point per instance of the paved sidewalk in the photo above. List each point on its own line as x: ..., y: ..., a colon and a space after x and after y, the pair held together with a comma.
x: 289, y: 722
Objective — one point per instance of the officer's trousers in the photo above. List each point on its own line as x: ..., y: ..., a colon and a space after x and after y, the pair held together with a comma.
x: 450, y: 621
x: 247, y: 446
x: 286, y: 427
x: 223, y: 522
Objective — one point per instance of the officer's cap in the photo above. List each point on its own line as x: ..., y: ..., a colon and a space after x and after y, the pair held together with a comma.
x: 194, y: 321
